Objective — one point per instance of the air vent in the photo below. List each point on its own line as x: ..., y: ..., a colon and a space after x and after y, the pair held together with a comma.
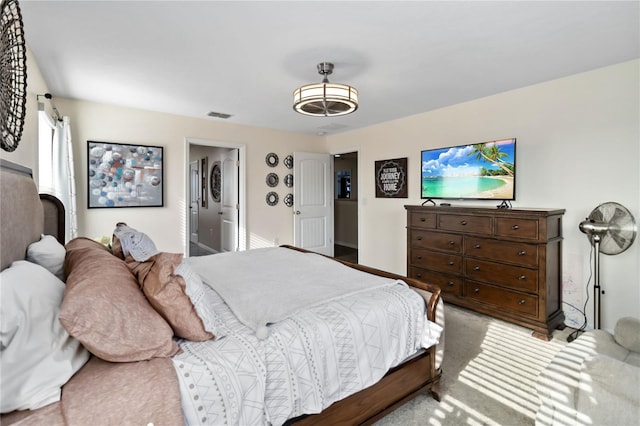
x: 333, y: 127
x: 219, y: 115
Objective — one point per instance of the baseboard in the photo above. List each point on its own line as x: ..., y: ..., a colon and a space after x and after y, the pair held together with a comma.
x: 350, y: 245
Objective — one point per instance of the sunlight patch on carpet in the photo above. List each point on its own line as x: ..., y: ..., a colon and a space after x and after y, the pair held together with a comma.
x: 452, y: 408
x: 507, y: 367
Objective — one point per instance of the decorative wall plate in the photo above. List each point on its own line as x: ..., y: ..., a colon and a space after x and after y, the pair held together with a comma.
x: 288, y: 200
x: 13, y: 75
x: 288, y: 161
x: 288, y: 180
x: 272, y: 159
x: 216, y: 182
x: 272, y: 198
x: 272, y: 180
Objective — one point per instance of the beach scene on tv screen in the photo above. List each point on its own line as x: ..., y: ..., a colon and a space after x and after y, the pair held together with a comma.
x: 479, y: 171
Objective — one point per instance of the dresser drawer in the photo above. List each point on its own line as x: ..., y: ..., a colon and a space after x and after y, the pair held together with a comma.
x: 422, y: 220
x: 518, y: 228
x: 447, y: 283
x: 507, y: 251
x: 515, y: 277
x: 464, y: 223
x: 501, y: 298
x: 437, y: 261
x: 436, y: 241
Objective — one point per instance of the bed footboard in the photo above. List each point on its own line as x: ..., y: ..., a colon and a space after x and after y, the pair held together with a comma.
x: 398, y: 386
x: 401, y: 384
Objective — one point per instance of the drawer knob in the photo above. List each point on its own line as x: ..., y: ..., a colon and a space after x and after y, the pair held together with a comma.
x: 463, y: 222
x: 515, y: 227
x: 476, y: 246
x: 521, y: 302
x: 522, y: 253
x: 419, y: 275
x: 419, y: 257
x: 476, y: 268
x: 451, y: 243
x: 419, y: 238
x: 423, y: 219
x: 450, y: 284
x: 451, y: 263
x: 476, y: 290
x: 522, y: 278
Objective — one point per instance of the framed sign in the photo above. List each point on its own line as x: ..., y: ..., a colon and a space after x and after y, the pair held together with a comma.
x: 391, y: 178
x: 124, y: 175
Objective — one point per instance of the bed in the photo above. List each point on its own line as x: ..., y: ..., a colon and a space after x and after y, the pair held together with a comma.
x: 151, y: 341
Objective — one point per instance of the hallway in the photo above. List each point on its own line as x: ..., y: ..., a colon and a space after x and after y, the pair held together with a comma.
x: 345, y: 253
x: 197, y: 250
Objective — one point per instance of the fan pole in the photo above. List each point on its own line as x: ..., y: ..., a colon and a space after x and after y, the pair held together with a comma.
x: 596, y: 285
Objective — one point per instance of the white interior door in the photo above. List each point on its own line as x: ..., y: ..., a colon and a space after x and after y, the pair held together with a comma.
x: 229, y: 202
x: 313, y: 202
x: 194, y: 190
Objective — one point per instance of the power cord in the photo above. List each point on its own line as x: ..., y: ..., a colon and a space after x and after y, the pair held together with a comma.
x: 574, y: 335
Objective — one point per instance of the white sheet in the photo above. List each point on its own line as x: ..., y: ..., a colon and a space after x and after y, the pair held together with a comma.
x: 254, y: 286
x: 308, y: 361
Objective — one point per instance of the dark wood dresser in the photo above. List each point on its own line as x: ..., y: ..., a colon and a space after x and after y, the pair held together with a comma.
x: 506, y: 263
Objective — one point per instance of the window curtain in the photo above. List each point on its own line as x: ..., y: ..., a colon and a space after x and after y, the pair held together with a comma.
x: 56, y: 169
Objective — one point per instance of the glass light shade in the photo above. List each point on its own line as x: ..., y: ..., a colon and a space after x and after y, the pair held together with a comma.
x: 325, y: 99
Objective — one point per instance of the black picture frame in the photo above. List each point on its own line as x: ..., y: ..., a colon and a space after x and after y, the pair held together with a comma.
x: 121, y: 175
x: 204, y: 166
x: 391, y: 178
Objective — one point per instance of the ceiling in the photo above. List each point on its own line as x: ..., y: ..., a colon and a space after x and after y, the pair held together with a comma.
x: 246, y: 58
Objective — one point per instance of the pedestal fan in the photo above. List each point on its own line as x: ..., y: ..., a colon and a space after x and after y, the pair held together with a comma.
x: 611, y: 229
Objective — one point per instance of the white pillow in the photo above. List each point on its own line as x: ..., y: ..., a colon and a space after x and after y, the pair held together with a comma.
x: 208, y: 304
x: 49, y: 253
x: 38, y: 356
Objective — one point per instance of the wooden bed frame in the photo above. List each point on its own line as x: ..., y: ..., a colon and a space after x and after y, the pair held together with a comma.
x: 18, y: 195
x: 400, y: 385
x: 415, y: 376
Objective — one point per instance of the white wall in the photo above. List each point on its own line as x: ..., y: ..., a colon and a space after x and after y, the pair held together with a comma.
x: 167, y: 226
x: 27, y: 152
x: 578, y: 146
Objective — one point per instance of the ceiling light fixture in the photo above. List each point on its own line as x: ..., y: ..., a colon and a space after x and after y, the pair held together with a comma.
x: 325, y: 99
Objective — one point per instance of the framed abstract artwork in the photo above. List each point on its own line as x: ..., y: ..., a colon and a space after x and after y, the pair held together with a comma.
x: 124, y: 175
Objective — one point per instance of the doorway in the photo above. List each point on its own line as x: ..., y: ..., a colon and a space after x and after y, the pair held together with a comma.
x: 219, y: 199
x: 345, y: 214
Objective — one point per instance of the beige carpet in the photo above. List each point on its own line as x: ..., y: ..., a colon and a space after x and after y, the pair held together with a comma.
x: 490, y: 369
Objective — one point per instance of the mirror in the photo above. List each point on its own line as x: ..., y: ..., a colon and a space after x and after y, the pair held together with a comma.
x: 272, y: 180
x: 272, y: 198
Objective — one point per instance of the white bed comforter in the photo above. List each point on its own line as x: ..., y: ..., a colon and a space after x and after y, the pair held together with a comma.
x: 268, y: 285
x: 315, y: 357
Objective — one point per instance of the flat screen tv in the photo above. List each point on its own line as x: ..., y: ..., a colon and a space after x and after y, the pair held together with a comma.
x: 482, y: 171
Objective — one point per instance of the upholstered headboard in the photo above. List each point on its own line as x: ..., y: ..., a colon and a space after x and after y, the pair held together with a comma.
x: 23, y: 215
